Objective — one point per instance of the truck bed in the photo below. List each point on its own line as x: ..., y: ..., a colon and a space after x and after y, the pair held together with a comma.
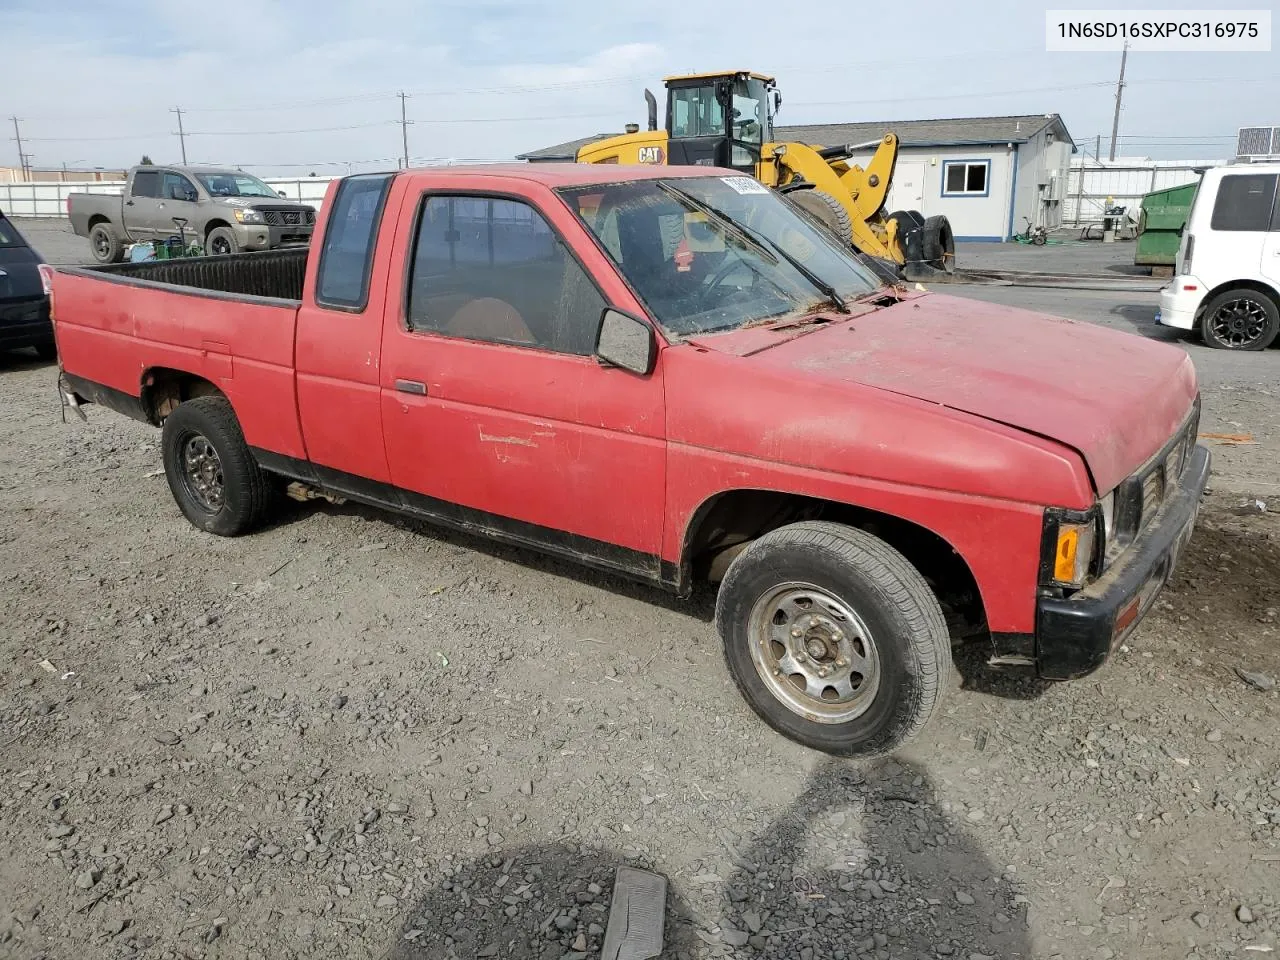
x: 230, y: 321
x: 276, y: 274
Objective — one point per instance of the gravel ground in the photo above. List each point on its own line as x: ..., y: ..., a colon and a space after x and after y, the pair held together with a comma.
x: 352, y: 736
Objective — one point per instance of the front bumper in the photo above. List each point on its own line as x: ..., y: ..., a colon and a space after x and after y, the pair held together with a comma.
x: 1178, y: 305
x: 257, y: 236
x: 1075, y: 635
x: 25, y: 323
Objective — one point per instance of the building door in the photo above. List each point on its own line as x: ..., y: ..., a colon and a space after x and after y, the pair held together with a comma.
x: 907, y: 190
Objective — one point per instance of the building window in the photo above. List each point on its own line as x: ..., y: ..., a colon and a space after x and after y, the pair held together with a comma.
x: 966, y: 178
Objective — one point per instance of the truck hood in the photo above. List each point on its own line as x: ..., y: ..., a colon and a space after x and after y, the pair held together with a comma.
x: 1114, y: 397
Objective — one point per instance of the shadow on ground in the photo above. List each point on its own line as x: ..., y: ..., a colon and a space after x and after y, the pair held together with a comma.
x: 864, y: 863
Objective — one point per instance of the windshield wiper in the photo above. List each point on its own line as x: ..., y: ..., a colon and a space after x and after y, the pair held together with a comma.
x: 758, y: 241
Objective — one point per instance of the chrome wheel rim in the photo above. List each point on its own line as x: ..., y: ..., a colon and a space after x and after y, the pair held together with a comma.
x: 202, y: 473
x: 814, y: 653
x: 1239, y: 322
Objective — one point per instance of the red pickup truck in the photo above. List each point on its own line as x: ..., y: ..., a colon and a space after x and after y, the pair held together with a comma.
x: 669, y: 374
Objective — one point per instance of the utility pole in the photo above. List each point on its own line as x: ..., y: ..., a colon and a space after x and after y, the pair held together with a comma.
x: 404, y: 128
x: 182, y: 136
x: 22, y: 157
x: 1115, y: 123
x: 1097, y: 147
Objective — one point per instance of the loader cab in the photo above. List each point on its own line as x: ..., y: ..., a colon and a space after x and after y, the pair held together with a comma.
x: 720, y: 119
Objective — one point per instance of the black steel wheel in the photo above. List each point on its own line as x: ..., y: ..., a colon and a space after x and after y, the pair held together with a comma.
x: 221, y: 241
x: 105, y: 244
x: 212, y: 474
x: 1240, y: 319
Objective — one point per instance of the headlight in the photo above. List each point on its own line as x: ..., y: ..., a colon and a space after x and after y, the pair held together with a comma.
x: 247, y: 215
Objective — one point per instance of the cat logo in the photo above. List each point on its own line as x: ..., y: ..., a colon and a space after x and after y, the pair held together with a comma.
x: 651, y: 155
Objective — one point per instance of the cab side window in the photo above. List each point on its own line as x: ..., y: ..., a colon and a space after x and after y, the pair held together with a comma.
x: 146, y: 183
x: 493, y: 269
x: 174, y: 186
x: 1244, y: 202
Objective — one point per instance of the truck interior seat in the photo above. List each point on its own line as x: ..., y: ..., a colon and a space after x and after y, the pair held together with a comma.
x: 489, y: 318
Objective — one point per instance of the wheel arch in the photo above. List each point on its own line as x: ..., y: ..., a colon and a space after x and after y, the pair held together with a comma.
x: 213, y: 225
x: 1257, y: 286
x: 96, y: 219
x: 163, y: 388
x: 728, y: 521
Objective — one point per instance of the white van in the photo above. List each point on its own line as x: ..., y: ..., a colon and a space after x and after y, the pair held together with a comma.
x: 1227, y: 283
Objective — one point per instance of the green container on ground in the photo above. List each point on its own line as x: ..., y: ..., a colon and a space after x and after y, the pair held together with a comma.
x: 1164, y: 213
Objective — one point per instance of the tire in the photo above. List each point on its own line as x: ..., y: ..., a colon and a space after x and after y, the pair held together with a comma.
x: 825, y: 211
x: 48, y: 352
x: 938, y: 244
x: 105, y: 243
x: 227, y: 494
x: 1240, y: 319
x: 220, y: 241
x: 853, y: 585
x: 910, y: 237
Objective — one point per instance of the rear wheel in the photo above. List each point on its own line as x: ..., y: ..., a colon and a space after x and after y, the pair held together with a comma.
x: 221, y: 241
x: 833, y: 638
x: 1240, y: 319
x: 212, y: 474
x: 824, y: 210
x: 105, y: 244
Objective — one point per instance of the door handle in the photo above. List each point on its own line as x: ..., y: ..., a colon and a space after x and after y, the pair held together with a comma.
x: 412, y: 386
x: 128, y: 203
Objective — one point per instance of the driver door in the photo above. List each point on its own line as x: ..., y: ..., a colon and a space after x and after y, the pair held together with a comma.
x: 495, y: 413
x: 178, y: 198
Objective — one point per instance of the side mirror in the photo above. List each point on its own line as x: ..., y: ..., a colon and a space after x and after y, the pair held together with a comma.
x: 625, y: 341
x: 283, y: 194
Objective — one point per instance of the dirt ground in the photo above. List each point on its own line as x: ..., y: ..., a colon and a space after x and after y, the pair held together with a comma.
x: 352, y: 736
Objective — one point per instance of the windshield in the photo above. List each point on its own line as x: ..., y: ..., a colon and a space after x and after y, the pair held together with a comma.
x: 696, y: 275
x: 8, y: 235
x: 235, y: 185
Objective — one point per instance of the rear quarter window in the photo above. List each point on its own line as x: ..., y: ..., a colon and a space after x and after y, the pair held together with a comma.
x: 8, y: 235
x: 347, y: 255
x: 1244, y: 202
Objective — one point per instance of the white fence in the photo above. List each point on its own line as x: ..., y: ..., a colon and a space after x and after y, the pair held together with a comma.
x: 1090, y: 182
x: 50, y: 199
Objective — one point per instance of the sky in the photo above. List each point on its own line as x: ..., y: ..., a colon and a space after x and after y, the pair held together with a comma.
x: 287, y: 87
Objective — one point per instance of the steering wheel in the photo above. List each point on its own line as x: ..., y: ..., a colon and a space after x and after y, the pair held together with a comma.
x: 724, y: 271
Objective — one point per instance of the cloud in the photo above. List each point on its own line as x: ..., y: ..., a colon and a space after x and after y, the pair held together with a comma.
x: 490, y: 79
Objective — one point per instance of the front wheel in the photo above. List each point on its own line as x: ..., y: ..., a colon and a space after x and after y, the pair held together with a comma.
x: 833, y: 638
x: 221, y: 241
x: 1240, y: 319
x: 212, y: 474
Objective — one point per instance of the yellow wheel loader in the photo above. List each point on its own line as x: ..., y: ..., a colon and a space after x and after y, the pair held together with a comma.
x: 726, y: 120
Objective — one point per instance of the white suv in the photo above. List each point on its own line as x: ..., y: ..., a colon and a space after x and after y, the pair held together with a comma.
x: 1228, y: 279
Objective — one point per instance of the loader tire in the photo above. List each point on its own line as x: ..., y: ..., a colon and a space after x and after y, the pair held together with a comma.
x: 826, y: 211
x: 939, y: 244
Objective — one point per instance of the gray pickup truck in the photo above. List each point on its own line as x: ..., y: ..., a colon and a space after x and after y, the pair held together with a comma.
x: 225, y: 210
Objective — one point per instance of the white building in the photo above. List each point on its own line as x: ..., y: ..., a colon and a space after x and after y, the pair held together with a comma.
x: 986, y: 174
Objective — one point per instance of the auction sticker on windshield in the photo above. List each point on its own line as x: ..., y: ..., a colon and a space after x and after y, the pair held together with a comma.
x: 745, y: 185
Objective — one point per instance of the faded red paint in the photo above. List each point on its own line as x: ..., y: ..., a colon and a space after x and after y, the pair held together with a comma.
x: 965, y: 418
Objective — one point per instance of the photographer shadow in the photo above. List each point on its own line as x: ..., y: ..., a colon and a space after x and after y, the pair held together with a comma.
x: 864, y: 863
